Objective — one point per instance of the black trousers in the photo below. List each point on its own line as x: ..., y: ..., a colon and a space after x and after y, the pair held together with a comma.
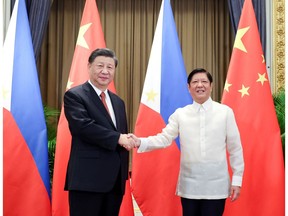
x: 202, y: 207
x: 83, y: 203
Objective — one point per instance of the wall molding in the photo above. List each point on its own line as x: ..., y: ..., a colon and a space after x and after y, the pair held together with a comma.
x: 278, y: 58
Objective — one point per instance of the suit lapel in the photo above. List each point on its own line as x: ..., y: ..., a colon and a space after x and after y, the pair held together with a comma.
x: 94, y: 98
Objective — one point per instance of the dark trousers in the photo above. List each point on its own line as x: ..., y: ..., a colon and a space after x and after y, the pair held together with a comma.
x: 202, y: 207
x: 83, y: 203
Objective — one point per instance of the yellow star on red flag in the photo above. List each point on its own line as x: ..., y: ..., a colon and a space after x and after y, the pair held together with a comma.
x: 253, y: 107
x: 244, y: 91
x: 263, y: 58
x: 262, y: 78
x: 227, y: 86
x: 90, y: 37
x: 81, y: 40
x: 238, y: 40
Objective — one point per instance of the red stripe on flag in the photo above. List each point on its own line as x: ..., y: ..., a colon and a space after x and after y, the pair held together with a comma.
x: 148, y: 170
x: 24, y: 190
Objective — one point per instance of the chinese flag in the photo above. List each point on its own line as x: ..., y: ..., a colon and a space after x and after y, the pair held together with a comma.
x: 127, y: 208
x: 247, y: 92
x: 90, y: 37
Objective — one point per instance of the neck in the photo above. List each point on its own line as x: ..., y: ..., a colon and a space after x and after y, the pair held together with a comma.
x: 101, y: 88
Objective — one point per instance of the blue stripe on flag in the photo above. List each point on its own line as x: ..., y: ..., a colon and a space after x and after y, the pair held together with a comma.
x: 174, y: 90
x: 26, y: 102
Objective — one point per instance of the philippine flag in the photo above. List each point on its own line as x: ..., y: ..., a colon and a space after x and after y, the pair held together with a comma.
x: 154, y: 174
x: 25, y: 155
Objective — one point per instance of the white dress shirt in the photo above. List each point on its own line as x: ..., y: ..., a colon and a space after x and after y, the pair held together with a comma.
x: 206, y: 131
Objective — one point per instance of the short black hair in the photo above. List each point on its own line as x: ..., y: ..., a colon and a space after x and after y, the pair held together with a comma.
x: 199, y: 70
x: 103, y: 52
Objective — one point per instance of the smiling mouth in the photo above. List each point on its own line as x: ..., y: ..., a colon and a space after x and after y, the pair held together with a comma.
x: 200, y: 91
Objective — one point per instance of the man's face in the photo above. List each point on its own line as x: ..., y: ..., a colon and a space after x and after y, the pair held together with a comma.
x: 101, y: 72
x: 200, y: 88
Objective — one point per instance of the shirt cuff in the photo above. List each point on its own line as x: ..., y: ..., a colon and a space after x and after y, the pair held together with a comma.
x: 237, y: 181
x: 143, y: 146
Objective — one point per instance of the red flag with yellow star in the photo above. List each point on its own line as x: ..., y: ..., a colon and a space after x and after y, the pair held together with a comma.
x: 90, y: 37
x: 247, y: 92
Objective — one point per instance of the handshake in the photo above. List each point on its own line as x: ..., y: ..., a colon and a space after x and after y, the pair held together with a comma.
x: 129, y: 141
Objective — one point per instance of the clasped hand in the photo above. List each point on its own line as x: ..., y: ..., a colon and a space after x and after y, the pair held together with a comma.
x: 129, y: 141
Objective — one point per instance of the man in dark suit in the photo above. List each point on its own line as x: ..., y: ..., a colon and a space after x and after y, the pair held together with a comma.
x: 98, y: 164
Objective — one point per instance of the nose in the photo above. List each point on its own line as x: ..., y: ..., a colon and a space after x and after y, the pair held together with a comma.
x: 105, y: 70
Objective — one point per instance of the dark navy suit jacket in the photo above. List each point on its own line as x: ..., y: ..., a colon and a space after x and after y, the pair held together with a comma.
x: 96, y: 158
